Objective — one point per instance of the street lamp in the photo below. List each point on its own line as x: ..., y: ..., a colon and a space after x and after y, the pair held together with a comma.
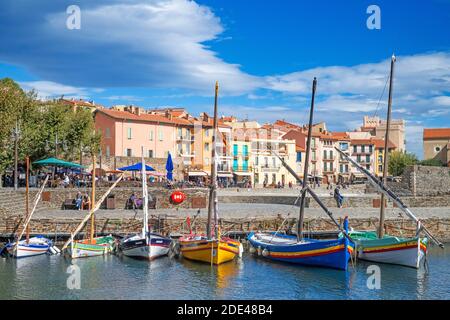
x: 56, y: 143
x: 16, y: 137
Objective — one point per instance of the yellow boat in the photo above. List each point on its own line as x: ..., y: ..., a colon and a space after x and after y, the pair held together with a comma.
x: 216, y: 249
x: 213, y: 251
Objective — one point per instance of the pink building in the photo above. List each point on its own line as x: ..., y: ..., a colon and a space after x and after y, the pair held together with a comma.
x: 124, y: 133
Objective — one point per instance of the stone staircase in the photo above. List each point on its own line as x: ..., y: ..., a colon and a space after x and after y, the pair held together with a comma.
x: 12, y: 203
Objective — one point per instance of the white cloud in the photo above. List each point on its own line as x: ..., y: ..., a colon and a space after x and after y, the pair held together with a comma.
x: 48, y: 90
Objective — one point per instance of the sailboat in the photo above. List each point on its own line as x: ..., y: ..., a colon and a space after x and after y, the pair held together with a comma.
x: 146, y: 245
x: 379, y: 247
x: 92, y: 246
x: 334, y: 253
x: 212, y: 248
x: 34, y: 246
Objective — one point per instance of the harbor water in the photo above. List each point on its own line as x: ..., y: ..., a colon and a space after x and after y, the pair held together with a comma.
x: 112, y: 277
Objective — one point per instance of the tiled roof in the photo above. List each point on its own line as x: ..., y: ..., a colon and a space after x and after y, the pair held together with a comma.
x: 442, y: 133
x: 125, y: 115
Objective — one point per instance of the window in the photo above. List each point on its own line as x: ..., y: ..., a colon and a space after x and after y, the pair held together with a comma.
x: 207, y: 147
x: 266, y: 162
x: 367, y: 158
x: 355, y: 150
x: 207, y: 162
x: 235, y: 150
x: 207, y: 132
x: 346, y: 168
x: 324, y: 154
x: 180, y: 133
x: 108, y: 152
x: 245, y: 165
x: 160, y: 134
x: 363, y: 148
x: 129, y: 133
x: 343, y: 146
x: 313, y: 156
x: 331, y: 166
x: 370, y: 149
x: 341, y: 168
x: 274, y: 178
x: 256, y: 161
x: 235, y: 165
x: 331, y: 154
x: 358, y: 158
x: 437, y: 149
x: 150, y: 153
x: 245, y: 150
x: 313, y: 143
x: 299, y: 157
x: 380, y: 168
x: 274, y: 162
x: 107, y: 133
x: 325, y: 166
x: 368, y: 167
x: 128, y: 153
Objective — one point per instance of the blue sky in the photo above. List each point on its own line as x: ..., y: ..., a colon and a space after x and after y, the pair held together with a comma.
x: 156, y: 53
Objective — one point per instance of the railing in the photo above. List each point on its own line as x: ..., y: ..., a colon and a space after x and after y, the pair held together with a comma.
x: 242, y: 169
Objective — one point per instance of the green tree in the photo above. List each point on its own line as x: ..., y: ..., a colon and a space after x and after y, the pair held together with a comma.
x: 40, y: 123
x: 398, y: 161
x: 431, y: 163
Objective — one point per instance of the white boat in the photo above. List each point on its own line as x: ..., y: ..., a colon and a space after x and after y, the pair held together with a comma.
x: 150, y: 247
x: 34, y: 247
x: 145, y: 245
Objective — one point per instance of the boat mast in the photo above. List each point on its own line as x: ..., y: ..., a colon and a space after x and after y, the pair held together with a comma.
x: 305, y: 170
x: 214, y: 164
x: 144, y: 196
x: 27, y: 199
x: 386, y: 150
x: 212, y: 207
x: 93, y: 200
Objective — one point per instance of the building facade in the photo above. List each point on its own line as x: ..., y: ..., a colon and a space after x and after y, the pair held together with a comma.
x: 436, y: 145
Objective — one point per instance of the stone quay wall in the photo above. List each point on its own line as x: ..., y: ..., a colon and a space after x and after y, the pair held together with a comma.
x: 353, y: 202
x: 177, y: 225
x: 422, y: 181
x: 196, y: 197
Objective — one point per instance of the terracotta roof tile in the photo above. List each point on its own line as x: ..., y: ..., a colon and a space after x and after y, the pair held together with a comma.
x: 439, y: 133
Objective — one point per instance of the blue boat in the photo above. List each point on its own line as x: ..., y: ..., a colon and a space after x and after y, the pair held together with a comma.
x: 334, y: 253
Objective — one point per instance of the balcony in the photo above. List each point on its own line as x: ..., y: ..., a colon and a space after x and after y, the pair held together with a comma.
x: 242, y: 169
x: 185, y: 139
x: 267, y: 168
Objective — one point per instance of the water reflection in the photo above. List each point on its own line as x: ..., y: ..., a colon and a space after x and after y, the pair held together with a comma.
x: 112, y: 277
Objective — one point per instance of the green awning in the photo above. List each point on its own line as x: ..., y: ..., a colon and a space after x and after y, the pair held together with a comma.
x: 57, y: 163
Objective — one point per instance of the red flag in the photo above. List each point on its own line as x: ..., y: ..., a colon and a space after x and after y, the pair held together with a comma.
x: 188, y: 221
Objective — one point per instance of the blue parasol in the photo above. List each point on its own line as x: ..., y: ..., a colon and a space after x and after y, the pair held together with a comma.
x: 136, y: 167
x: 169, y: 167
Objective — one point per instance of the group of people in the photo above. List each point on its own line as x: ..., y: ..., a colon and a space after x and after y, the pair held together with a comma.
x: 82, y: 202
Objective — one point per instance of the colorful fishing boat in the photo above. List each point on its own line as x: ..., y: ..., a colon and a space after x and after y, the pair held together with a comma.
x: 213, y: 251
x: 212, y: 248
x: 378, y: 246
x: 407, y: 252
x: 33, y: 247
x: 29, y: 247
x: 148, y: 246
x: 91, y: 247
x: 334, y: 253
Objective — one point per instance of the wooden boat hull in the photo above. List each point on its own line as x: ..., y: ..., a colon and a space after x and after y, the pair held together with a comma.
x: 209, y: 251
x: 85, y: 249
x: 407, y: 252
x: 36, y: 246
x: 320, y: 253
x: 138, y: 247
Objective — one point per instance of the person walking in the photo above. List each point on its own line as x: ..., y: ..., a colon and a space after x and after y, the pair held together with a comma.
x: 338, y: 197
